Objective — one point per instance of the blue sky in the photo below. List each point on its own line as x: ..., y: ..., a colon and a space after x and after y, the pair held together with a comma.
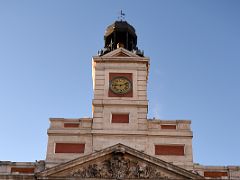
x: 45, y: 68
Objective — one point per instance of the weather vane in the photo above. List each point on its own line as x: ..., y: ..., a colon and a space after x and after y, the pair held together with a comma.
x: 121, y: 16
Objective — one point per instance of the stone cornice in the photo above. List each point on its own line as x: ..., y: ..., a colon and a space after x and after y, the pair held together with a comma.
x: 160, y: 133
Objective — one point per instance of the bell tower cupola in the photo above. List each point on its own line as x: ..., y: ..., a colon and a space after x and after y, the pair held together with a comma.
x: 120, y: 34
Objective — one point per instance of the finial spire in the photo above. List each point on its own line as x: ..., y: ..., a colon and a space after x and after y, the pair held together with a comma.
x: 121, y: 16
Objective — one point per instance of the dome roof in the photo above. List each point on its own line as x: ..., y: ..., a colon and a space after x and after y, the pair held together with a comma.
x: 120, y: 34
x: 121, y: 26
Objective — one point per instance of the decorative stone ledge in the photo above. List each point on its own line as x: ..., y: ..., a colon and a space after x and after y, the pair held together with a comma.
x: 157, y: 124
x: 60, y: 123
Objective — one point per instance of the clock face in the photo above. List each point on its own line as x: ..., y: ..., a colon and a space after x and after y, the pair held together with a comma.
x: 120, y: 85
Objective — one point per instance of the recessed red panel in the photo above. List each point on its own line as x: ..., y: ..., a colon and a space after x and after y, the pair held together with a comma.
x: 215, y: 174
x: 176, y: 150
x: 71, y: 125
x: 168, y: 126
x: 69, y: 148
x: 120, y: 118
x: 22, y: 170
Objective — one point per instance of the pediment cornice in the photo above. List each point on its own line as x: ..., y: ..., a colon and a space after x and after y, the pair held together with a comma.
x: 117, y: 162
x: 120, y: 55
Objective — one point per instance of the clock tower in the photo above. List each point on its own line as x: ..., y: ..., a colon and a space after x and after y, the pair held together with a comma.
x: 120, y: 104
x: 119, y: 110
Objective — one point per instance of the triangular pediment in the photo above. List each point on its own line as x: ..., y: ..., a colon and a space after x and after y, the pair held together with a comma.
x: 120, y: 52
x: 117, y: 162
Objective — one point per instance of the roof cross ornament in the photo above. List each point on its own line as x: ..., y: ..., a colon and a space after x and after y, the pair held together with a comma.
x: 121, y: 16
